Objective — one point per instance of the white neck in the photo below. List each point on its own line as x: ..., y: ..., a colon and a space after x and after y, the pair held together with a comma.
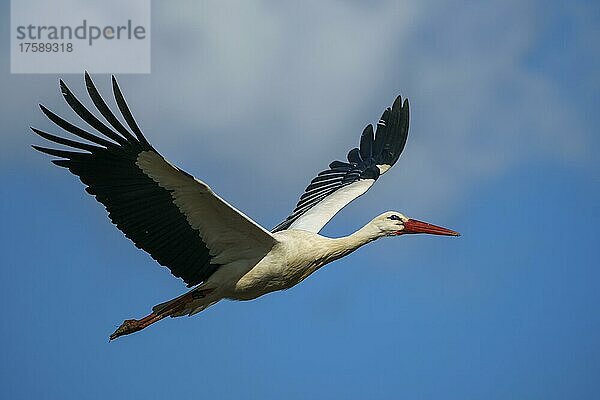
x: 343, y: 246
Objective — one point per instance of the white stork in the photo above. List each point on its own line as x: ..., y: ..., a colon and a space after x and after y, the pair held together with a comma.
x: 217, y: 250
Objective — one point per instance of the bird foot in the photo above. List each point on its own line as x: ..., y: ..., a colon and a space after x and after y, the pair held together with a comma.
x: 167, y: 309
x: 128, y: 326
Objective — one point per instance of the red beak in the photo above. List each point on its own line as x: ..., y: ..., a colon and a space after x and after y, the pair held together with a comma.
x: 416, y: 226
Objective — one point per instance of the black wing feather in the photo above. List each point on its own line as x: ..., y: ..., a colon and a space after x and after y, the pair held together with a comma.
x: 75, y: 130
x: 88, y: 117
x: 136, y: 204
x: 366, y: 143
x: 122, y: 104
x: 382, y: 147
x: 104, y: 110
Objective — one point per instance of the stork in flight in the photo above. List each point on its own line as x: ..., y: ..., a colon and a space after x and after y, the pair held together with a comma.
x: 217, y: 250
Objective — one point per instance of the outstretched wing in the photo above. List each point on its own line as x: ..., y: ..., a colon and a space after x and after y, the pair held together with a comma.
x: 165, y: 211
x: 343, y: 182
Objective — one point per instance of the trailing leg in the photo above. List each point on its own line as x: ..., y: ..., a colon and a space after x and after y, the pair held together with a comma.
x: 171, y: 308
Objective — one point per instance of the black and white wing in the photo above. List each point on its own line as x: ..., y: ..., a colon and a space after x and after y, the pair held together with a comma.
x: 165, y: 211
x: 343, y: 182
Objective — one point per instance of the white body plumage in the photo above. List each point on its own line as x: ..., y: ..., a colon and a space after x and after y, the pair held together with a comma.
x: 296, y: 255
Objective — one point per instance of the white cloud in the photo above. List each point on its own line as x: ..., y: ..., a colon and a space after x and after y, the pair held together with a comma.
x: 257, y: 96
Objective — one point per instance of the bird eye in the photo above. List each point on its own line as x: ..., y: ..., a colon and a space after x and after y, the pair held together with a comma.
x: 394, y: 218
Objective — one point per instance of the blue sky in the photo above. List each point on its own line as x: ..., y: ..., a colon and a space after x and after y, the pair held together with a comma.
x: 254, y: 98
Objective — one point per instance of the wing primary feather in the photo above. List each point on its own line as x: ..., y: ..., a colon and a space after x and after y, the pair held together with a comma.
x: 75, y: 130
x: 122, y: 104
x: 66, y: 142
x: 88, y: 117
x: 62, y: 163
x: 381, y: 133
x: 404, y: 124
x: 59, y: 153
x: 340, y: 166
x: 104, y: 109
x: 354, y: 156
x: 366, y: 143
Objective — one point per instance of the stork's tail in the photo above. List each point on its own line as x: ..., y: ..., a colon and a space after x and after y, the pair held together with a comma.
x: 172, y: 308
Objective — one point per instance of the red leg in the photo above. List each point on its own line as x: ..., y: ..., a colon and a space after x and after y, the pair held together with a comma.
x: 133, y: 325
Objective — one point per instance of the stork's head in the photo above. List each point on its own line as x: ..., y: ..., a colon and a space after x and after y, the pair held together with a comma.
x: 393, y: 223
